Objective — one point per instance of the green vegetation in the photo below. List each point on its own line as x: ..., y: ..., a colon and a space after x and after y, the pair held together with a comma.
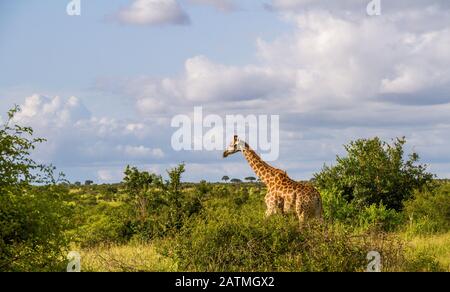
x: 373, y: 201
x: 429, y: 211
x: 32, y: 219
x: 374, y: 172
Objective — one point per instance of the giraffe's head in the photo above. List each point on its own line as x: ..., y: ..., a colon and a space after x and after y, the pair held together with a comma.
x: 235, y: 146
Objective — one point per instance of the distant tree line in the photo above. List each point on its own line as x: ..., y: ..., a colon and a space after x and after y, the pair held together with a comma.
x: 250, y: 179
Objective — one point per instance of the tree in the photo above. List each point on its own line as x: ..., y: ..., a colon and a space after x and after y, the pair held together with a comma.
x: 174, y: 197
x: 235, y: 180
x: 77, y: 183
x: 161, y: 206
x: 33, y: 216
x: 375, y: 172
x: 137, y: 184
x: 225, y: 178
x: 88, y: 182
x: 250, y: 178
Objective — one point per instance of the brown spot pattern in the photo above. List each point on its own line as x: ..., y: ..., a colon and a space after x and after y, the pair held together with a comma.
x: 285, y: 195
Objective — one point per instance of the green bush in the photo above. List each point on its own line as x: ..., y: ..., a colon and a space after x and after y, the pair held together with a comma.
x: 339, y: 210
x: 161, y: 208
x: 104, y: 223
x: 422, y: 261
x: 33, y: 219
x: 374, y: 172
x: 241, y: 239
x: 378, y: 217
x: 428, y: 211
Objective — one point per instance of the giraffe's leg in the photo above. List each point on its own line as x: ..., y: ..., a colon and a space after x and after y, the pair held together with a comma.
x: 270, y: 204
x: 301, y: 209
x: 269, y: 212
x: 318, y: 211
x: 301, y: 219
x: 274, y: 204
x: 279, y: 204
x: 288, y: 204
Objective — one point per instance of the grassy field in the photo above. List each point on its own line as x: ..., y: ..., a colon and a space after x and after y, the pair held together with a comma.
x: 437, y: 246
x: 125, y: 258
x: 136, y: 257
x: 228, y: 232
x: 222, y: 227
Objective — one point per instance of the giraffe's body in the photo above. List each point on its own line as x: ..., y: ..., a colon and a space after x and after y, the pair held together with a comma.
x: 284, y: 195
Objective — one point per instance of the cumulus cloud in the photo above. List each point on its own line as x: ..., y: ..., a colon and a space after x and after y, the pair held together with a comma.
x: 140, y: 151
x: 353, y: 61
x: 56, y: 112
x: 77, y: 138
x: 205, y: 80
x: 153, y: 12
x: 338, y: 75
x: 328, y: 61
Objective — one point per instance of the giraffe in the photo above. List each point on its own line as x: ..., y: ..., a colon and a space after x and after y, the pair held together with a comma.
x: 284, y: 195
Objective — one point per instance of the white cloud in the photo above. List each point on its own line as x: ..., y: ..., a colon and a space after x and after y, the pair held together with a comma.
x: 76, y: 137
x: 105, y: 175
x: 424, y: 66
x: 205, y: 81
x: 153, y: 12
x: 327, y: 62
x: 341, y: 62
x: 135, y: 127
x: 140, y: 151
x: 56, y: 112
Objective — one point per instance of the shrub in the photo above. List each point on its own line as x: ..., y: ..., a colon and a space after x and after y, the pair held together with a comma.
x: 429, y: 211
x: 32, y: 219
x: 161, y: 207
x: 338, y: 210
x: 142, y: 187
x: 220, y: 191
x: 240, y: 239
x: 374, y: 172
x: 379, y: 217
x: 105, y: 223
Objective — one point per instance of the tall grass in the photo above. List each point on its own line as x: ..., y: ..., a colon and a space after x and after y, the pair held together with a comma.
x: 133, y: 257
x: 436, y: 246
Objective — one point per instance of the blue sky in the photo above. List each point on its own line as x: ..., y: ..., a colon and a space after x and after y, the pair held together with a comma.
x: 102, y: 87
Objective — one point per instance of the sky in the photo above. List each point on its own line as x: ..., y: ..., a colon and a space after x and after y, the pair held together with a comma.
x: 103, y: 87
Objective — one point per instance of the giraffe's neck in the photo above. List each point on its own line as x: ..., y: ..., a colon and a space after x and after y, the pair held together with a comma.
x: 261, y: 168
